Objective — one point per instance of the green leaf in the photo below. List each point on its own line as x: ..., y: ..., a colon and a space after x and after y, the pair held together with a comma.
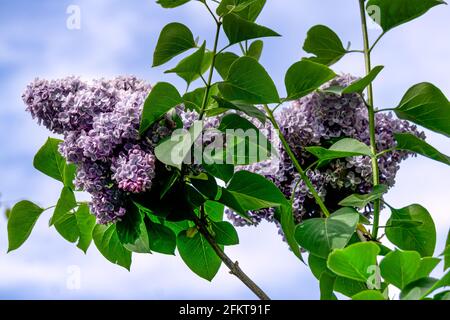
x: 415, y: 290
x: 214, y: 210
x: 400, y: 267
x: 225, y: 233
x: 129, y: 227
x: 255, y: 49
x: 238, y: 29
x: 326, y: 284
x: 251, y: 191
x: 191, y: 67
x: 222, y: 171
x: 346, y: 147
x: 160, y: 100
x: 362, y: 200
x: 67, y: 227
x: 445, y: 295
x: 421, y: 238
x: 426, y: 266
x: 86, y: 225
x: 446, y: 253
x: 343, y: 285
x: 206, y: 185
x: 65, y: 204
x: 369, y: 295
x: 246, y: 9
x: 391, y: 14
x: 175, y: 38
x: 171, y: 3
x: 224, y: 60
x: 22, y: 219
x: 193, y: 100
x: 245, y: 143
x: 360, y: 85
x: 321, y: 235
x: 325, y: 44
x: 49, y: 161
x: 161, y: 238
x: 304, y: 77
x: 174, y: 150
x: 249, y: 82
x: 409, y: 142
x: 426, y: 105
x: 288, y: 226
x: 248, y: 109
x: 198, y: 255
x: 355, y: 261
x: 107, y: 242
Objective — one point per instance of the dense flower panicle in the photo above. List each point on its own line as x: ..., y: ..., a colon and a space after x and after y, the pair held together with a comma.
x: 322, y: 119
x: 100, y: 123
x: 44, y: 100
x: 134, y: 169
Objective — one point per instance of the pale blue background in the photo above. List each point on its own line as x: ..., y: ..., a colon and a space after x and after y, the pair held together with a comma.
x: 118, y: 37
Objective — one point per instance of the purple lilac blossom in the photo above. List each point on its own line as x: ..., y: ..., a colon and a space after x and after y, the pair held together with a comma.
x: 321, y: 119
x: 100, y: 122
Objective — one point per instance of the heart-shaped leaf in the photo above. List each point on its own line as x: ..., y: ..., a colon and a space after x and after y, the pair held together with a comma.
x: 426, y: 105
x: 421, y: 238
x: 400, y: 267
x: 175, y: 38
x: 390, y: 14
x: 321, y: 235
x: 304, y: 77
x: 362, y: 200
x: 409, y: 142
x: 355, y: 261
x: 346, y: 147
x: 325, y: 44
x: 249, y: 82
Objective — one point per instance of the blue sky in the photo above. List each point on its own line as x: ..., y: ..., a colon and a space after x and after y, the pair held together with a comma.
x: 118, y: 37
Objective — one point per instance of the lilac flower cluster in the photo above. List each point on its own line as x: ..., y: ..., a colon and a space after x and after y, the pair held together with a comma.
x: 320, y: 119
x: 100, y: 123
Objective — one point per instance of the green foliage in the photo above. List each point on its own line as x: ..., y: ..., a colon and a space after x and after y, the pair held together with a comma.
x: 238, y: 29
x: 421, y: 238
x: 22, y: 219
x: 174, y: 150
x: 325, y: 44
x: 359, y: 85
x: 160, y: 100
x: 49, y: 161
x: 174, y: 39
x: 304, y: 77
x: 362, y: 200
x: 369, y: 295
x: 400, y: 267
x: 107, y: 242
x: 248, y: 109
x: 66, y: 203
x: 246, y: 9
x: 446, y: 253
x: 224, y: 60
x: 193, y: 66
x: 86, y: 225
x: 394, y: 13
x: 198, y: 255
x: 326, y: 283
x: 171, y: 3
x: 346, y: 147
x: 355, y: 261
x: 162, y: 239
x: 255, y: 49
x: 224, y: 233
x: 321, y: 235
x: 240, y: 85
x: 409, y: 142
x: 426, y: 105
